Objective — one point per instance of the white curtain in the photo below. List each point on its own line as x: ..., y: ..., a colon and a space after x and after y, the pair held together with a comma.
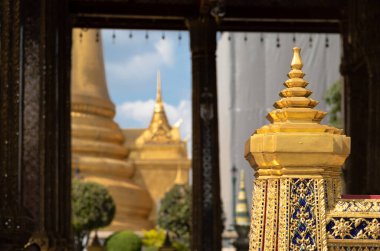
x: 251, y: 70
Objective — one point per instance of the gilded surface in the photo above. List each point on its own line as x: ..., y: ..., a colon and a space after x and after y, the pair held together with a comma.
x: 257, y: 215
x: 298, y: 204
x: 284, y: 213
x: 97, y: 141
x: 358, y: 206
x: 354, y: 224
x: 320, y: 189
x: 354, y: 228
x: 159, y: 130
x: 271, y: 212
x: 157, y: 153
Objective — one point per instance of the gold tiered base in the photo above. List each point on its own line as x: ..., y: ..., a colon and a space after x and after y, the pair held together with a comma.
x: 100, y: 156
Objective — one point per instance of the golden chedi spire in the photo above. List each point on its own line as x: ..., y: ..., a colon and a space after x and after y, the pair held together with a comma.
x: 296, y: 95
x: 242, y: 215
x: 94, y: 132
x: 159, y: 129
x: 295, y: 104
x: 159, y: 125
x: 97, y: 141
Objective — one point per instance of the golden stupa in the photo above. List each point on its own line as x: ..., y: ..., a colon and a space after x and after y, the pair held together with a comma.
x: 158, y: 153
x: 97, y: 141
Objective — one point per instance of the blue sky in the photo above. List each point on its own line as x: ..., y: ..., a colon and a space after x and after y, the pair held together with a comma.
x: 131, y: 66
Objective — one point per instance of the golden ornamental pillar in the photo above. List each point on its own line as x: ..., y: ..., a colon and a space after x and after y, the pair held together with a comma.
x: 298, y: 166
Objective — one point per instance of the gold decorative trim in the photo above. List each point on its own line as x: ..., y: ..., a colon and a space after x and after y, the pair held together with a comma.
x: 257, y: 215
x: 270, y: 234
x: 283, y: 232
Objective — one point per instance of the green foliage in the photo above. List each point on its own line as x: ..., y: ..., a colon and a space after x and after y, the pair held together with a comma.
x: 174, y: 214
x: 124, y: 241
x: 334, y: 100
x: 180, y: 246
x: 153, y: 238
x: 150, y: 248
x: 92, y: 208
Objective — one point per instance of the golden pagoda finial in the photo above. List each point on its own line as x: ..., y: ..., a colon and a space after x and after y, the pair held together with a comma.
x: 159, y: 106
x: 242, y: 215
x: 296, y: 60
x: 295, y: 104
x: 296, y: 95
x: 158, y: 91
x: 159, y: 129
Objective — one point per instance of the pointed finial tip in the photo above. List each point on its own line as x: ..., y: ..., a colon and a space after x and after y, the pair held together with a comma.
x: 296, y: 48
x: 296, y: 60
x: 242, y: 174
x: 158, y: 90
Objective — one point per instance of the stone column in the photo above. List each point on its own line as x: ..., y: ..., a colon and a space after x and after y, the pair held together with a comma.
x: 206, y: 214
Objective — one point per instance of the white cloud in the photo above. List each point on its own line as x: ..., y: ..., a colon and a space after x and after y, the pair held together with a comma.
x: 138, y: 114
x: 165, y: 50
x: 140, y: 67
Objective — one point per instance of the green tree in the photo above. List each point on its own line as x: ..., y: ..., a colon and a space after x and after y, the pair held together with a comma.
x: 333, y: 98
x: 92, y: 208
x: 174, y: 214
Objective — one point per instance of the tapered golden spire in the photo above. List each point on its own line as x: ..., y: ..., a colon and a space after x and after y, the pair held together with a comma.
x: 296, y: 95
x: 159, y: 105
x: 242, y: 215
x: 159, y: 125
x: 158, y: 91
x: 295, y: 108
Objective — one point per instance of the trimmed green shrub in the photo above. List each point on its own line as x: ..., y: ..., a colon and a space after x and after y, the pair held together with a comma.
x: 124, y: 241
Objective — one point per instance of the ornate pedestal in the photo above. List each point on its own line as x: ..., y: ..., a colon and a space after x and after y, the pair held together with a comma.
x: 296, y: 198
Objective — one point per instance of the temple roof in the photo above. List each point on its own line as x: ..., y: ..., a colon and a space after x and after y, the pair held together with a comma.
x: 159, y: 129
x: 159, y: 125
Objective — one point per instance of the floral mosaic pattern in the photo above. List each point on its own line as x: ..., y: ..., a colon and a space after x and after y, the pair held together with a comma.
x: 354, y: 228
x: 302, y: 215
